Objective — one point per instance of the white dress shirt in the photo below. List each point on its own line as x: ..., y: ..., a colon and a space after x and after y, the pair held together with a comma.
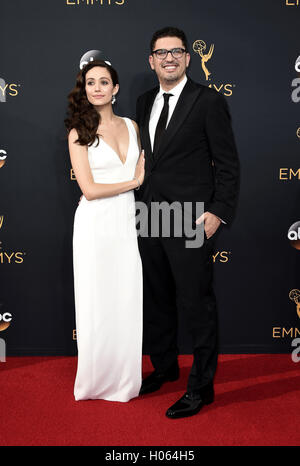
x: 159, y: 103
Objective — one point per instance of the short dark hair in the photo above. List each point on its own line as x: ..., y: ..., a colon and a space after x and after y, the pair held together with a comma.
x: 168, y: 32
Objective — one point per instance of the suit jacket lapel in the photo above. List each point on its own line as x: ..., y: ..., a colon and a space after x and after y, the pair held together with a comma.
x: 184, y: 105
x: 145, y: 125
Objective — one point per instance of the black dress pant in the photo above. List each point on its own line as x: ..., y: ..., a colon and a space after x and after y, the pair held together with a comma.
x: 176, y: 280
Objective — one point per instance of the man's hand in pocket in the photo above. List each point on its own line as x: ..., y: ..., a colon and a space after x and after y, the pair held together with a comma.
x: 211, y: 223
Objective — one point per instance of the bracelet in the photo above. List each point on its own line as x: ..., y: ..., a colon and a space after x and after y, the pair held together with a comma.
x: 139, y: 184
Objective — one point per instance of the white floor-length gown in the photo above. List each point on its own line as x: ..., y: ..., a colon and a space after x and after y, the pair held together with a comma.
x: 108, y: 282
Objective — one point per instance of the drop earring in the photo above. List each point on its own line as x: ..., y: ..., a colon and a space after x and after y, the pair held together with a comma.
x: 113, y: 100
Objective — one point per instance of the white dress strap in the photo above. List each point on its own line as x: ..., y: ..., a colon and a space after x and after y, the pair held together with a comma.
x: 130, y: 126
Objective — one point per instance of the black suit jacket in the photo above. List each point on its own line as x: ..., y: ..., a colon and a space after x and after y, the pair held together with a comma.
x: 197, y: 160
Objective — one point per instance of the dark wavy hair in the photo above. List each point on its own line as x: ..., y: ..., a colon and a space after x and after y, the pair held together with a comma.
x: 81, y: 114
x: 168, y: 32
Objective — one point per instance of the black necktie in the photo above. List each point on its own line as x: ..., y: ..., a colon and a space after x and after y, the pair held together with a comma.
x: 162, y: 122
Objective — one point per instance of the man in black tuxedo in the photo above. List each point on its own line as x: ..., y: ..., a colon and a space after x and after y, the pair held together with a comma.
x: 190, y: 156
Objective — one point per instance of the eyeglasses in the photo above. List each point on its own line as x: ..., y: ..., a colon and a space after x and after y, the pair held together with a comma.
x: 161, y: 54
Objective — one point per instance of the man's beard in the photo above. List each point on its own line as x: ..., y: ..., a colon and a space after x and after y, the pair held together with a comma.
x: 174, y: 77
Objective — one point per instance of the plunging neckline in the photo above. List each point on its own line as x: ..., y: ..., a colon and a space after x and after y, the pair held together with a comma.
x: 113, y: 150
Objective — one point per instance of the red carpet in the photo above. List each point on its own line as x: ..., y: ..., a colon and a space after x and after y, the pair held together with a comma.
x: 257, y: 403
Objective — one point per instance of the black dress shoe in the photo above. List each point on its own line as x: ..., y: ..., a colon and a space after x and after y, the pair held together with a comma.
x: 155, y: 380
x: 189, y: 404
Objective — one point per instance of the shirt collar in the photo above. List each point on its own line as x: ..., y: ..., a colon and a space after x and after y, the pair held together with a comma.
x: 176, y: 91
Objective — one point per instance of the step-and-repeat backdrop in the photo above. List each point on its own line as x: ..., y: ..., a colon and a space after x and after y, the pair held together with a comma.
x: 248, y: 51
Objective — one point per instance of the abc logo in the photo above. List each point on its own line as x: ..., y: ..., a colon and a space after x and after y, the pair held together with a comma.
x: 5, y: 320
x: 3, y: 155
x: 297, y: 65
x: 92, y: 55
x: 294, y: 235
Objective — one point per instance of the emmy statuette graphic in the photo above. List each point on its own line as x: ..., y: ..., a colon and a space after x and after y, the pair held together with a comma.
x: 199, y: 46
x: 294, y: 295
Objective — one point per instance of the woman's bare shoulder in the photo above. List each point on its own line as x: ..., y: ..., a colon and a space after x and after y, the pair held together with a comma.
x: 73, y: 135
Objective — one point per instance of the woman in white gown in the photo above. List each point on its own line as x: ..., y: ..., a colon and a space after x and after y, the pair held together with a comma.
x: 105, y: 156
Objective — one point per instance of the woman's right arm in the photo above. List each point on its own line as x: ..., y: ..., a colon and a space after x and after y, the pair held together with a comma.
x: 81, y: 167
